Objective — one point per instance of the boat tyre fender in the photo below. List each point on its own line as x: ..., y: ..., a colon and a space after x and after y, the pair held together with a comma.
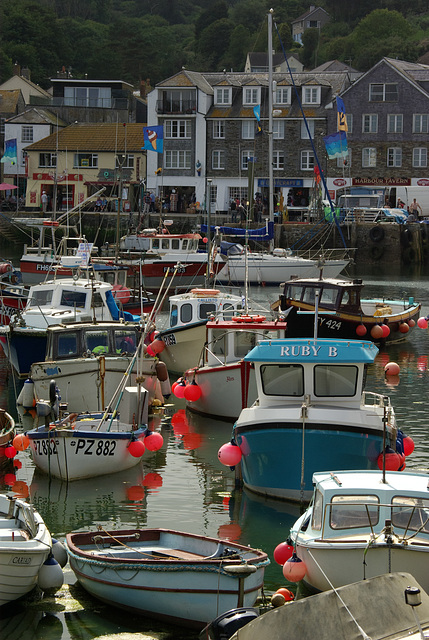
x: 376, y: 233
x: 52, y: 392
x: 409, y: 255
x: 376, y: 252
x: 406, y: 237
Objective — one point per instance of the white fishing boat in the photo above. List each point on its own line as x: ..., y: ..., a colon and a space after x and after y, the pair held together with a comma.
x: 88, y: 362
x: 188, y: 315
x: 226, y: 381
x: 62, y: 300
x: 25, y: 545
x: 312, y: 410
x: 180, y: 578
x: 362, y: 524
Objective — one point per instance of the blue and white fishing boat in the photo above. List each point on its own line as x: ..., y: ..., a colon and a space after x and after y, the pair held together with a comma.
x: 312, y: 413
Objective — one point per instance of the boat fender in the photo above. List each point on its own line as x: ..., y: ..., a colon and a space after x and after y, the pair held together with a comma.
x: 5, y: 267
x: 409, y: 255
x: 161, y: 371
x: 376, y: 251
x: 376, y: 233
x: 52, y: 392
x: 26, y: 397
x: 50, y: 576
x: 59, y: 552
x: 165, y: 388
x: 240, y: 569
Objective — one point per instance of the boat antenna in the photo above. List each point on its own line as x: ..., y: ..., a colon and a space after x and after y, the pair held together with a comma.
x: 270, y: 121
x: 316, y: 313
x: 334, y: 216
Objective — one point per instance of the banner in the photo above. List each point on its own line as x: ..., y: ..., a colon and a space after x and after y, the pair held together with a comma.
x: 10, y: 152
x: 153, y: 138
x: 341, y: 116
x: 257, y: 113
x: 336, y: 145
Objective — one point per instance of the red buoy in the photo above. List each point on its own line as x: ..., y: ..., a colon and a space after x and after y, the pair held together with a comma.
x: 153, y: 441
x: 294, y: 569
x: 283, y: 552
x: 229, y: 454
x: 136, y: 448
x: 361, y: 330
x: 192, y: 392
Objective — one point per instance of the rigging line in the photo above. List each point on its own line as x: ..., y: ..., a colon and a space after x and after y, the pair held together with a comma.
x: 311, y: 140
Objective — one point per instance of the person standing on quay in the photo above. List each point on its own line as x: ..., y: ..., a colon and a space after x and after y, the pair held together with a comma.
x: 414, y: 209
x: 44, y: 201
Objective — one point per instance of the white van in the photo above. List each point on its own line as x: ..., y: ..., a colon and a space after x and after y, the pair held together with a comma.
x: 407, y: 195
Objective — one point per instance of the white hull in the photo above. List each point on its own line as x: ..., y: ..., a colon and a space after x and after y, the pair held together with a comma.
x: 184, y: 347
x: 224, y: 390
x: 21, y: 556
x: 269, y: 269
x: 82, y: 384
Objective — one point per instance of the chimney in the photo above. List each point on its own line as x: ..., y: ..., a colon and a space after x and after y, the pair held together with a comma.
x: 142, y: 89
x: 16, y: 69
x: 25, y: 73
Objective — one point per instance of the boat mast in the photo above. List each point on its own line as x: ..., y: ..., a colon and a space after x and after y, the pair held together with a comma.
x: 270, y: 121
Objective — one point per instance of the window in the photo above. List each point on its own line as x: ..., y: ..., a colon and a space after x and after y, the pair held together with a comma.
x: 177, y: 128
x: 41, y: 297
x: 243, y: 342
x: 311, y: 95
x: 383, y: 92
x: 307, y: 160
x: 238, y: 192
x: 348, y: 512
x: 218, y: 159
x: 67, y: 344
x: 223, y: 95
x: 394, y: 157
x: 205, y: 309
x: 218, y: 129
x: 278, y: 160
x: 245, y: 155
x: 316, y: 519
x: 345, y: 161
x: 185, y: 313
x: 2, y: 121
x: 369, y: 123
x: 420, y: 123
x: 282, y: 379
x: 395, y: 123
x: 420, y: 157
x: 179, y: 101
x: 73, y: 299
x: 248, y: 129
x: 125, y: 341
x: 304, y: 132
x: 278, y: 129
x: 128, y: 163
x: 369, y: 157
x: 335, y: 380
x: 410, y: 513
x: 85, y: 160
x: 349, y: 120
x: 47, y: 160
x: 283, y: 95
x: 97, y: 342
x: 251, y: 95
x: 88, y: 97
x: 175, y: 159
x: 26, y: 134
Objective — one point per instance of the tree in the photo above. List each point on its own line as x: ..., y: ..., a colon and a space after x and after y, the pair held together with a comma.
x: 213, y: 45
x: 310, y: 41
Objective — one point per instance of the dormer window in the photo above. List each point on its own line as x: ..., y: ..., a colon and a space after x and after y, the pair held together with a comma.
x: 310, y: 95
x: 223, y: 95
x: 283, y: 95
x: 251, y: 95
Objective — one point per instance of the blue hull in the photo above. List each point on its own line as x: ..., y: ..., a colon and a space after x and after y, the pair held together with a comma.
x: 24, y: 349
x: 272, y: 462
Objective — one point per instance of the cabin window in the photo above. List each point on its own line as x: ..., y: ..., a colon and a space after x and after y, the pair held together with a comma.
x: 335, y: 380
x: 329, y: 296
x: 173, y: 316
x: 186, y: 313
x: 316, y: 521
x: 73, y: 299
x: 125, y: 341
x: 349, y: 512
x: 294, y: 292
x: 228, y: 311
x: 310, y: 295
x: 205, y: 310
x: 97, y: 342
x: 184, y: 244
x: 155, y: 244
x: 410, y: 513
x: 243, y: 342
x: 165, y: 243
x: 67, y: 345
x: 219, y: 344
x: 282, y: 379
x: 41, y: 297
x: 175, y: 244
x: 97, y: 300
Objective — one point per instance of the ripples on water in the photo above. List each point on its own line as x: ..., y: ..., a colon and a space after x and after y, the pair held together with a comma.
x: 183, y: 486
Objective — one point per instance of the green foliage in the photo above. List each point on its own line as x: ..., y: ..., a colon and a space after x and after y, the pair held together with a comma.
x: 310, y: 41
x: 239, y: 46
x: 214, y: 43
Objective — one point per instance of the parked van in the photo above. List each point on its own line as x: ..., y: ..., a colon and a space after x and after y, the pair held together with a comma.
x: 407, y: 195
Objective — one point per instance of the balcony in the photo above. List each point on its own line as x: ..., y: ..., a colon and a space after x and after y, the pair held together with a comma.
x: 176, y: 107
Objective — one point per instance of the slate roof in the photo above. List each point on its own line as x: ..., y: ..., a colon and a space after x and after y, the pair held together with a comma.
x: 94, y: 137
x: 38, y: 116
x: 9, y: 100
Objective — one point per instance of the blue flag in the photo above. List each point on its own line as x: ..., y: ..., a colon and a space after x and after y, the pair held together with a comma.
x: 336, y: 145
x: 341, y: 116
x: 10, y: 152
x: 257, y: 113
x: 153, y: 138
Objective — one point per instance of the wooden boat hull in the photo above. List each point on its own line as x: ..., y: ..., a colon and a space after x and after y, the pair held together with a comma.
x: 166, y: 574
x: 81, y: 450
x: 21, y: 556
x: 183, y: 347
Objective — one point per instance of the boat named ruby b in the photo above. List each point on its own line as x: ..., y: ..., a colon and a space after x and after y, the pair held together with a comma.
x: 311, y: 413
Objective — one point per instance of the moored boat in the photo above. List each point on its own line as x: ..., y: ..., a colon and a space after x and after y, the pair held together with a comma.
x: 180, y: 578
x: 361, y: 524
x: 311, y: 412
x: 7, y: 433
x: 342, y: 312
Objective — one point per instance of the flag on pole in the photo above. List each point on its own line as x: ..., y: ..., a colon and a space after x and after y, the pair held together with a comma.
x: 10, y: 152
x: 341, y: 115
x: 153, y: 138
x: 336, y: 145
x: 257, y: 113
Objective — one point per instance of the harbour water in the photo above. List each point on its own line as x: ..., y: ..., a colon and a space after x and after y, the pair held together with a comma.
x: 183, y: 486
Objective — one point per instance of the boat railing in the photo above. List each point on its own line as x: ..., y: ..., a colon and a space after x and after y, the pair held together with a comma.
x: 326, y: 254
x: 375, y: 399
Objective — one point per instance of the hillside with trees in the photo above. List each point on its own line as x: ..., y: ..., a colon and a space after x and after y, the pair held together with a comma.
x: 135, y: 40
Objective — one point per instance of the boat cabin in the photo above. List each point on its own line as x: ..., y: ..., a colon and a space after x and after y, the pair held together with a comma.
x: 47, y: 243
x: 198, y: 305
x: 230, y: 341
x: 151, y: 241
x: 334, y: 295
x: 359, y: 502
x: 86, y: 339
x: 322, y: 371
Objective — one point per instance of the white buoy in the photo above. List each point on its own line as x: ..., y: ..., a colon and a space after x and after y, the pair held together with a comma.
x: 50, y: 577
x: 59, y: 552
x: 26, y: 397
x: 165, y: 388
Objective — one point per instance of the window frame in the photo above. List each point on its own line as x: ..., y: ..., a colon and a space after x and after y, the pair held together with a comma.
x: 254, y: 98
x: 420, y: 164
x: 226, y: 92
x: 422, y: 117
x: 178, y: 124
x: 281, y: 93
x: 394, y: 157
x: 313, y: 97
x: 370, y: 123
x: 173, y: 159
x: 278, y: 160
x: 395, y: 119
x: 367, y: 153
x: 248, y: 129
x: 218, y: 129
x: 27, y: 133
x: 218, y: 159
x: 307, y: 165
x: 381, y: 95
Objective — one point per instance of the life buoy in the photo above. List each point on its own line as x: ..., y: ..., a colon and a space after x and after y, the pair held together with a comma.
x: 208, y: 293
x: 5, y: 267
x: 246, y: 318
x: 259, y: 318
x: 376, y: 233
x: 50, y: 223
x: 121, y: 293
x: 376, y: 252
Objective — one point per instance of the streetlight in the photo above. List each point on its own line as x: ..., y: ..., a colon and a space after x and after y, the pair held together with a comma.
x: 208, y: 207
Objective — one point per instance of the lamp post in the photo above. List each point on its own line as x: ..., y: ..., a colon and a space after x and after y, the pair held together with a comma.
x: 208, y: 208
